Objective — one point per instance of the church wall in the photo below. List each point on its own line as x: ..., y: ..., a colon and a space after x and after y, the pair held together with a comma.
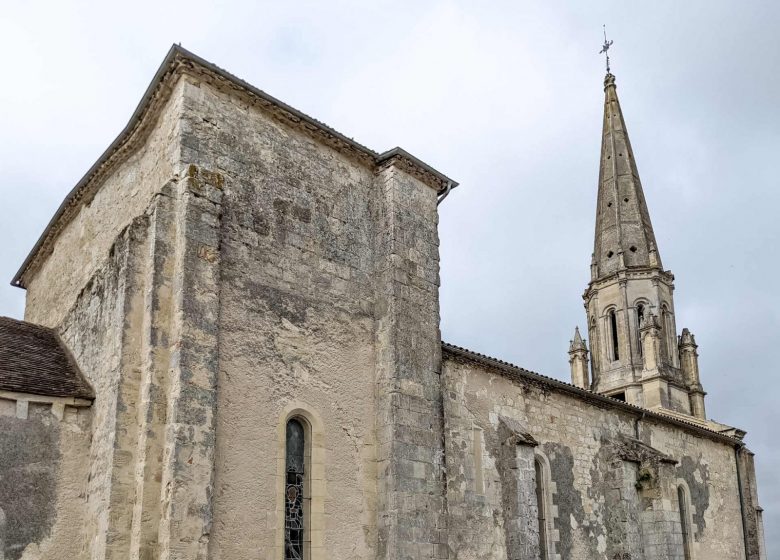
x: 709, y: 471
x: 125, y: 193
x: 591, y: 500
x: 43, y: 482
x: 300, y: 319
x: 93, y: 332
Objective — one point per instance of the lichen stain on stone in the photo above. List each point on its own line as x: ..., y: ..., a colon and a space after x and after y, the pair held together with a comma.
x: 696, y: 474
x: 29, y: 461
x: 597, y: 493
x: 567, y: 497
x: 208, y: 254
x: 284, y: 305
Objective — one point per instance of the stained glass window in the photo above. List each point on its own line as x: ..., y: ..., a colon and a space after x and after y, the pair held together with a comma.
x: 293, y: 491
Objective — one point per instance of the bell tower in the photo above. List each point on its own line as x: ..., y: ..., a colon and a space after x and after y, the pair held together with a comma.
x: 634, y: 348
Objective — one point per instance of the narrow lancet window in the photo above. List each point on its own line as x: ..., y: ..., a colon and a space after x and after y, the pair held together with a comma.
x: 640, y: 321
x: 667, y: 335
x: 541, y: 505
x: 670, y: 334
x: 682, y: 499
x: 614, y: 333
x: 294, y: 488
x: 594, y: 351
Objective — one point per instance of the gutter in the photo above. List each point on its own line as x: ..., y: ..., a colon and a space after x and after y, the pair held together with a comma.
x: 446, y: 192
x: 743, y: 513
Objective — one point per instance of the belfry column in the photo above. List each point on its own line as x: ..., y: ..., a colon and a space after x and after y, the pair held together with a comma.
x: 689, y: 362
x: 654, y: 387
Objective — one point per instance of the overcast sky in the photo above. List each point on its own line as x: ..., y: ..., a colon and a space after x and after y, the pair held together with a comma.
x: 506, y: 98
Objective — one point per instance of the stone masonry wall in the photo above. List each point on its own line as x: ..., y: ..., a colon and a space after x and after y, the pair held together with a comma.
x: 328, y: 310
x: 595, y: 493
x: 93, y: 287
x: 124, y: 194
x: 42, y: 479
x: 93, y: 334
x: 296, y: 325
x: 229, y: 250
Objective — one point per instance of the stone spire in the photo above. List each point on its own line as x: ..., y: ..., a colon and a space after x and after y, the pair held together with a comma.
x: 578, y: 360
x: 634, y: 352
x: 624, y: 235
x: 577, y: 343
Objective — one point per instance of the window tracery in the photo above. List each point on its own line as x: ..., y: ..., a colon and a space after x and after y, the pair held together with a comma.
x: 294, y: 490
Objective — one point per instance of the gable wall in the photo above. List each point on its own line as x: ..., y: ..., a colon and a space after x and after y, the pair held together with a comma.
x: 84, y: 243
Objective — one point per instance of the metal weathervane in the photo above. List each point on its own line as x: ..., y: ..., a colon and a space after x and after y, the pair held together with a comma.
x: 605, y: 47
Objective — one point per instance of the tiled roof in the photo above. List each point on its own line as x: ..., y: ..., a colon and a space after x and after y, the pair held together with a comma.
x: 34, y: 360
x: 519, y: 374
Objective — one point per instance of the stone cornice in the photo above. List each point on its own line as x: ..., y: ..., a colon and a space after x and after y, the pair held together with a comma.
x: 45, y: 399
x: 179, y: 61
x: 626, y: 274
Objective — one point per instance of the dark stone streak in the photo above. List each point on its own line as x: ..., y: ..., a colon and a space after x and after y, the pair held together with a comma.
x: 29, y: 460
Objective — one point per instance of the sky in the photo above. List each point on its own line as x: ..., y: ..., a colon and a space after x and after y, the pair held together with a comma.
x: 506, y: 98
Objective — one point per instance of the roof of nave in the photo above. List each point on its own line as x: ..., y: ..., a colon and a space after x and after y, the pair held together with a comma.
x: 516, y: 373
x: 34, y: 360
x: 177, y: 61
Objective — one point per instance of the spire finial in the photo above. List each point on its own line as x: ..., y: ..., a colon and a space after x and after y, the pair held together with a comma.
x: 605, y: 47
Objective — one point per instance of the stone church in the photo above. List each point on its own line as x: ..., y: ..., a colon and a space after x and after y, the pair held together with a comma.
x: 231, y: 350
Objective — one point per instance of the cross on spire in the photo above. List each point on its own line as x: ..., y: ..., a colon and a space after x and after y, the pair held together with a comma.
x: 605, y: 47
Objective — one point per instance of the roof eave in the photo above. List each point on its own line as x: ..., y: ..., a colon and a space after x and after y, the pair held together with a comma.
x: 176, y: 51
x: 562, y: 386
x: 118, y: 141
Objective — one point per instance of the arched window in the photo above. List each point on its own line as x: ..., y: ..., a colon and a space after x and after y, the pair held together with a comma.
x: 541, y: 504
x: 668, y: 337
x: 595, y: 352
x: 640, y: 321
x: 685, y: 521
x: 295, y: 459
x: 300, y: 484
x: 547, y: 513
x: 613, y: 330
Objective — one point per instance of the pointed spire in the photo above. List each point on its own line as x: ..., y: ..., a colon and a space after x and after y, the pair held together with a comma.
x: 578, y: 360
x: 624, y: 235
x: 577, y: 343
x: 687, y: 339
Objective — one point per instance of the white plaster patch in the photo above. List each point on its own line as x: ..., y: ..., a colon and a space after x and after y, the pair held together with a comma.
x: 601, y: 544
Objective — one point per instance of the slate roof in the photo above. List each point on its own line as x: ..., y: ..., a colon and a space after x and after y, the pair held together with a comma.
x: 34, y: 360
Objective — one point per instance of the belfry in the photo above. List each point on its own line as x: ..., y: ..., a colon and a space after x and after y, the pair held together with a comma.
x: 635, y: 353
